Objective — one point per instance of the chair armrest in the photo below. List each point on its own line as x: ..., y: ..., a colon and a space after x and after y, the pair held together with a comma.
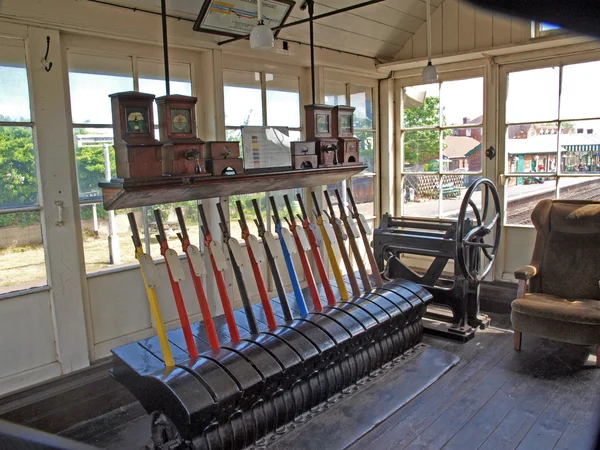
x: 525, y: 273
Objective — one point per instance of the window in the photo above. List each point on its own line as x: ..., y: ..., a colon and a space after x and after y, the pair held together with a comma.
x: 362, y: 185
x: 258, y: 99
x: 541, y: 29
x: 22, y: 257
x: 442, y: 136
x: 552, y: 136
x: 92, y: 78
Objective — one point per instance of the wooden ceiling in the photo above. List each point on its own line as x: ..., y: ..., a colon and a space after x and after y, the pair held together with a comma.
x: 378, y: 30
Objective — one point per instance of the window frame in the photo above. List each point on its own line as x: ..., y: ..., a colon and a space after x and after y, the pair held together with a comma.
x: 348, y: 82
x: 503, y: 165
x: 37, y: 206
x: 136, y: 52
x: 477, y: 71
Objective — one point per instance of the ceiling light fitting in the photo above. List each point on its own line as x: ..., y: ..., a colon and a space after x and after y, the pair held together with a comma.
x: 430, y: 73
x: 261, y: 37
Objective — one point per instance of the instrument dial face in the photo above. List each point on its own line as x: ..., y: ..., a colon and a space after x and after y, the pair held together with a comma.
x: 137, y: 120
x: 180, y: 122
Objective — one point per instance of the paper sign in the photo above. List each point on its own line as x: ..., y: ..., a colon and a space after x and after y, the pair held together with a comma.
x: 341, y: 228
x: 174, y: 265
x: 197, y: 260
x: 351, y: 229
x: 303, y: 238
x: 364, y: 223
x: 257, y: 249
x: 149, y: 271
x: 329, y: 232
x: 289, y: 241
x: 316, y: 231
x: 273, y: 245
x: 238, y: 252
x: 219, y: 257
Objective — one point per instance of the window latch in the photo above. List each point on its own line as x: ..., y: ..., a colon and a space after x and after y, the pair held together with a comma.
x: 60, y: 206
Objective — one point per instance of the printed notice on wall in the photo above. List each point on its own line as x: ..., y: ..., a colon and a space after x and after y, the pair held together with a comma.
x: 266, y: 148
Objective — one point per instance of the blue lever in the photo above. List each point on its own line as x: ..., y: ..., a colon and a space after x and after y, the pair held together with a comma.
x: 291, y: 269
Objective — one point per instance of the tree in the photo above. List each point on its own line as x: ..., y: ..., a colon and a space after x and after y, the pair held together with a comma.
x: 422, y: 146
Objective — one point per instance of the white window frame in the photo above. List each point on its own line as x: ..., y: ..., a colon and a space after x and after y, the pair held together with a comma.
x: 503, y: 164
x: 401, y: 83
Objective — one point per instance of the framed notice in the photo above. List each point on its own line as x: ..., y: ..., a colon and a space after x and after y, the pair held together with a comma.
x: 266, y: 149
x: 238, y: 17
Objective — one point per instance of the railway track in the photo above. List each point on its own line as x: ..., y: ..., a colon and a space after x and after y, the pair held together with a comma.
x: 519, y: 211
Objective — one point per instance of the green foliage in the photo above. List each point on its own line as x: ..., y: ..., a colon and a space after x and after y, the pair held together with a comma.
x: 422, y: 146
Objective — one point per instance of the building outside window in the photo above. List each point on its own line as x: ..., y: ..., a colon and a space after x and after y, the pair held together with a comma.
x: 22, y: 255
x: 92, y: 78
x: 552, y: 136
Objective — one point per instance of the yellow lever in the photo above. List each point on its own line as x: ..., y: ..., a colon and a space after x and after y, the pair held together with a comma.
x: 337, y: 273
x: 156, y: 316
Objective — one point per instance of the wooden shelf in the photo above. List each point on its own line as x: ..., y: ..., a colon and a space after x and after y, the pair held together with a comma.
x: 130, y: 193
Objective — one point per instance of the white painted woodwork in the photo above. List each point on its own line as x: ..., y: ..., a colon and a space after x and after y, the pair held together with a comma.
x: 387, y: 146
x: 26, y: 333
x: 457, y: 26
x: 58, y: 181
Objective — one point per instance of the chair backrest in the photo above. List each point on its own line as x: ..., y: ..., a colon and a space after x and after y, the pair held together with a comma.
x: 567, y: 248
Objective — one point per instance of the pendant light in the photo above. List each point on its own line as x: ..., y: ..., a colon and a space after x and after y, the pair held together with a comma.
x: 261, y: 36
x: 430, y: 73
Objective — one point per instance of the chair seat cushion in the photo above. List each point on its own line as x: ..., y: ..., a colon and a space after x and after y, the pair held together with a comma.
x: 550, y: 307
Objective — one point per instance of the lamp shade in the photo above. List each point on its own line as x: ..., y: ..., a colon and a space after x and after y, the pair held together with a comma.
x: 430, y: 73
x: 261, y: 37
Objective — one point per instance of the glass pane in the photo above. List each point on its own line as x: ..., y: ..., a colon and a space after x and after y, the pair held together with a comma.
x: 295, y: 135
x: 22, y: 260
x: 14, y: 90
x: 421, y: 150
x: 243, y: 99
x: 363, y: 190
x: 522, y: 196
x: 335, y: 93
x: 580, y: 93
x: 462, y: 150
x: 462, y: 102
x: 532, y: 95
x: 281, y: 207
x: 361, y: 97
x: 421, y: 106
x: 579, y: 188
x: 91, y: 147
x: 283, y: 101
x: 234, y: 135
x: 18, y: 182
x: 91, y: 80
x: 367, y: 149
x: 152, y: 79
x: 531, y: 147
x: 420, y: 195
x: 249, y: 213
x: 454, y: 188
x: 580, y: 147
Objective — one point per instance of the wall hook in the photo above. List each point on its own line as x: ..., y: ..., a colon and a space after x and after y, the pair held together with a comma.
x: 47, y: 64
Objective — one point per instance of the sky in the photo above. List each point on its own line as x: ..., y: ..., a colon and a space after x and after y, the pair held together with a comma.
x: 532, y: 96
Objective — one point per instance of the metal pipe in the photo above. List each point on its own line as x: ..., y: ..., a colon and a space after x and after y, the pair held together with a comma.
x: 301, y: 21
x: 163, y: 6
x: 311, y: 12
x: 428, y: 12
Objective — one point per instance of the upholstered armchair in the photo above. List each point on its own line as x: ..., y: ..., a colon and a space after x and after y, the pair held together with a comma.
x: 559, y: 292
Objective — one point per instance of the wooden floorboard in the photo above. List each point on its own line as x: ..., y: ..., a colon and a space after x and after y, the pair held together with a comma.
x: 546, y: 396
